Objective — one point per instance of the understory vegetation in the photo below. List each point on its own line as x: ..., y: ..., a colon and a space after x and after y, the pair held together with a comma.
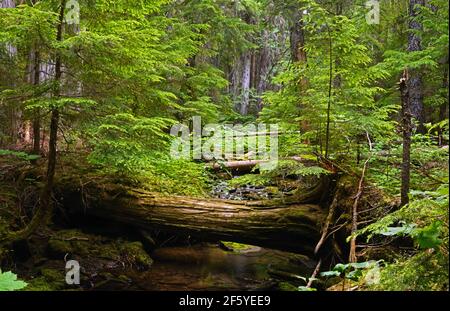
x: 88, y: 99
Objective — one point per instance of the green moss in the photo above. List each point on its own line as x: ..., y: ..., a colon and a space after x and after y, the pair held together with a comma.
x: 49, y: 280
x: 72, y: 242
x: 285, y: 286
x: 81, y: 244
x: 237, y: 247
x: 250, y: 179
x: 273, y: 190
x: 60, y: 247
x: 39, y: 284
x: 123, y: 278
x: 424, y: 271
x: 134, y: 253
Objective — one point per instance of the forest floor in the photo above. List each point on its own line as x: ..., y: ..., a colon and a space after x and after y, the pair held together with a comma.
x: 119, y: 257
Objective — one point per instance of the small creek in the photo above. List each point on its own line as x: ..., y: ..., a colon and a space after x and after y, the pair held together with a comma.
x: 208, y: 267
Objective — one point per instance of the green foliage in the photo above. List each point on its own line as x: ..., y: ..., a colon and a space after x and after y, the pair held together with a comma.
x: 425, y: 220
x: 19, y: 154
x: 429, y: 165
x: 169, y: 176
x: 137, y: 149
x: 9, y: 282
x: 334, y: 42
x: 250, y: 179
x: 286, y: 168
x: 425, y: 271
x: 124, y: 143
x: 351, y: 271
x: 131, y: 69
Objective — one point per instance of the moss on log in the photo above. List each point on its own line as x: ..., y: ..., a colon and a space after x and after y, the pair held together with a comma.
x: 275, y: 224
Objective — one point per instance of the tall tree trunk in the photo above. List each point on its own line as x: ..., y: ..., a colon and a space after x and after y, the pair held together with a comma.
x: 443, y: 109
x: 330, y: 90
x: 298, y: 53
x: 245, y: 101
x: 45, y: 210
x: 37, y: 117
x: 263, y: 66
x: 406, y: 129
x: 46, y: 203
x: 415, y: 85
x: 15, y: 114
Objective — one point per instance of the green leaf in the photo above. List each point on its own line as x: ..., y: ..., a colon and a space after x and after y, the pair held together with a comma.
x: 330, y: 273
x: 428, y: 237
x: 306, y: 289
x: 340, y: 267
x: 363, y: 265
x: 9, y: 282
x: 404, y: 230
x: 354, y: 275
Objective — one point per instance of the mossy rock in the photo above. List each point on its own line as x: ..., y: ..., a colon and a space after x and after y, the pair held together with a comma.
x: 134, y: 253
x: 49, y: 280
x: 76, y: 243
x: 238, y: 247
x: 71, y: 242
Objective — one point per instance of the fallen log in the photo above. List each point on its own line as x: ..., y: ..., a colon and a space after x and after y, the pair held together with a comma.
x: 274, y: 224
x: 248, y: 165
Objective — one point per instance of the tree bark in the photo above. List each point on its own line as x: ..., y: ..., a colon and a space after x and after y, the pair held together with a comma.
x: 298, y: 53
x: 37, y: 117
x: 330, y: 89
x: 263, y: 72
x: 443, y: 109
x: 415, y: 85
x: 45, y: 198
x: 246, y: 75
x: 290, y: 227
x: 406, y: 129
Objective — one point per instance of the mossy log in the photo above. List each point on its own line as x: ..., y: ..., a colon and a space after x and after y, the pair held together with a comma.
x: 275, y: 224
x: 245, y: 166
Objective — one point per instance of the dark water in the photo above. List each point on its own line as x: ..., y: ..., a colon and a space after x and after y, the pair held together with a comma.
x: 208, y: 267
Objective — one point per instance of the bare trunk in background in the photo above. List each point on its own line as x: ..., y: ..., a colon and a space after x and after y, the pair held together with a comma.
x: 246, y: 82
x: 415, y: 84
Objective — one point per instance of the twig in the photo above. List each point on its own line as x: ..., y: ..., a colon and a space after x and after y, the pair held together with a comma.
x: 352, y: 255
x: 328, y: 221
x: 313, y: 276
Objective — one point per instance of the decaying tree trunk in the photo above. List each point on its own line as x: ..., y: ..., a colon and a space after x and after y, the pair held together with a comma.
x: 274, y: 224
